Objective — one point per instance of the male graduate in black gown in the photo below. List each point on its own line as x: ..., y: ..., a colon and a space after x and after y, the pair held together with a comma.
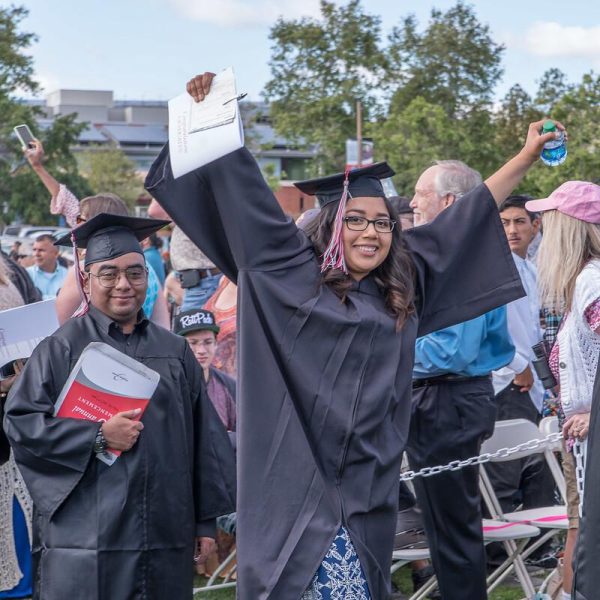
x: 129, y: 530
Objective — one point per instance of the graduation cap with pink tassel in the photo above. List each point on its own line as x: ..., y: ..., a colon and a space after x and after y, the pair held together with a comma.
x: 353, y: 183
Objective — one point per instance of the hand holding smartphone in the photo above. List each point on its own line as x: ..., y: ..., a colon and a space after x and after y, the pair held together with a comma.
x: 25, y: 136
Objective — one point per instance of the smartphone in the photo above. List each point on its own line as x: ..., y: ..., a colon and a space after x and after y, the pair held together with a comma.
x: 25, y: 136
x: 8, y: 370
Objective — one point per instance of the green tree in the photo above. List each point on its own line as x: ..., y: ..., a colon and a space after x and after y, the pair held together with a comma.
x: 23, y: 196
x: 579, y: 110
x: 273, y: 181
x: 110, y: 170
x: 552, y: 87
x: 454, y: 62
x: 517, y: 110
x: 318, y: 71
x: 453, y: 65
x: 411, y: 139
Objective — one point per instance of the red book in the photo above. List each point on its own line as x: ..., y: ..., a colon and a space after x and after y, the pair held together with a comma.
x: 105, y: 382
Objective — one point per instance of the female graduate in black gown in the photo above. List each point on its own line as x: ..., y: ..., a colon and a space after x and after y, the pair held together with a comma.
x: 325, y: 359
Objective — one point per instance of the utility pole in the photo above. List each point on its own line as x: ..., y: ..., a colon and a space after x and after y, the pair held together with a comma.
x: 359, y: 131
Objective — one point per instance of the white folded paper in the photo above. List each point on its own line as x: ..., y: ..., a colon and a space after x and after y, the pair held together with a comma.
x: 217, y: 127
x: 24, y: 327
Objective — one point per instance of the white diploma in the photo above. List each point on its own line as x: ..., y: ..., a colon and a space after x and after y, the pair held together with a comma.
x: 200, y: 132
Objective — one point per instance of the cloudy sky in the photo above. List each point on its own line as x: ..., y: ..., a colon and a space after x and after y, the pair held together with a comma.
x: 147, y: 49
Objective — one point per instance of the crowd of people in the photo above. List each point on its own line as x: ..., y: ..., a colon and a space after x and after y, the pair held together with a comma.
x: 298, y: 362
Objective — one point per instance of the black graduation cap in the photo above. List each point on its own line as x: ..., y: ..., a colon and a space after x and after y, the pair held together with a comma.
x: 107, y: 236
x: 363, y: 181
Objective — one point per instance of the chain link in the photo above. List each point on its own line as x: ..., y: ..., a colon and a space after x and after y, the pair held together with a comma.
x: 486, y: 457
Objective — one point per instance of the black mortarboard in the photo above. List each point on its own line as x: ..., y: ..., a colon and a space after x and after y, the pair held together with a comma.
x: 107, y: 236
x: 363, y: 181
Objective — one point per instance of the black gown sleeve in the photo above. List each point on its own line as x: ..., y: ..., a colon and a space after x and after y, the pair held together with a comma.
x: 4, y: 445
x: 214, y: 461
x: 464, y: 266
x: 52, y: 453
x: 227, y: 209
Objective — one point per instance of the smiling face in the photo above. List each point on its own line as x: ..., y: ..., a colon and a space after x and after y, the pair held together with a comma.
x: 123, y: 301
x: 519, y: 228
x: 365, y: 250
x: 426, y: 202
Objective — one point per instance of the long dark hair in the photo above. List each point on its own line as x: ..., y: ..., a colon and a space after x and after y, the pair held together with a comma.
x: 394, y: 276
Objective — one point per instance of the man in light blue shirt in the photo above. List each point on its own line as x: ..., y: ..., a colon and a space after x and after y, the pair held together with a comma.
x: 453, y: 410
x: 47, y: 274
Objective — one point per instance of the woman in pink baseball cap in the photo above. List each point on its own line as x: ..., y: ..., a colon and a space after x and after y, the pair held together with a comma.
x: 569, y: 282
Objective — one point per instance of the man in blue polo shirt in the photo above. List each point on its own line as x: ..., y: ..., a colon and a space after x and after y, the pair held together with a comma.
x: 454, y: 411
x: 47, y: 275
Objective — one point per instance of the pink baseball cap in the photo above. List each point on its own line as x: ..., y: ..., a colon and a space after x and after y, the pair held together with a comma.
x: 578, y: 199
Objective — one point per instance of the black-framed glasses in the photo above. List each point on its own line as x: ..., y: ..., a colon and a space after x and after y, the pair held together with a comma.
x: 356, y: 223
x: 135, y: 275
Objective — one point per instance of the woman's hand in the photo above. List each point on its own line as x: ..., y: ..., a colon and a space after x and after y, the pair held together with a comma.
x: 35, y: 154
x: 199, y: 86
x: 6, y: 384
x: 204, y: 546
x: 535, y: 140
x: 577, y: 426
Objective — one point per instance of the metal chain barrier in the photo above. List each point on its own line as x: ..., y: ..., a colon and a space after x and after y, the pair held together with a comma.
x: 456, y: 465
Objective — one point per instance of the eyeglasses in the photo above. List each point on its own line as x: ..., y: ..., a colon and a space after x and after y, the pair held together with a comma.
x: 361, y: 223
x: 206, y: 343
x: 135, y: 275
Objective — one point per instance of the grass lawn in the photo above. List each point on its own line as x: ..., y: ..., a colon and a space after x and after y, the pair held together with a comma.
x: 401, y: 578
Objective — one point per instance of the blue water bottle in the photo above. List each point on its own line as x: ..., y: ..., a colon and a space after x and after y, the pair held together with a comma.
x: 554, y: 151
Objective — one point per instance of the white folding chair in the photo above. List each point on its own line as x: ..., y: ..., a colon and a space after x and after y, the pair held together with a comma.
x: 406, y: 556
x: 227, y: 582
x: 552, y: 519
x: 514, y: 537
x: 493, y: 531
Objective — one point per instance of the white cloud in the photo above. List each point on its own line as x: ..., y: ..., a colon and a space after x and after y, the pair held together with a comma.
x: 551, y: 39
x: 236, y: 13
x: 47, y: 82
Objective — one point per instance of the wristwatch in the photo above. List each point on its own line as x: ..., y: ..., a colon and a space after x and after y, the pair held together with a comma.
x: 100, y: 445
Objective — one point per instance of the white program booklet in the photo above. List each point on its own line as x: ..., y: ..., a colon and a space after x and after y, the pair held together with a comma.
x: 200, y: 132
x: 24, y: 327
x: 103, y: 383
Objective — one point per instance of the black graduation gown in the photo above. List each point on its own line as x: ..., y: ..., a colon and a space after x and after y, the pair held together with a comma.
x: 324, y: 386
x: 126, y: 531
x: 586, y: 582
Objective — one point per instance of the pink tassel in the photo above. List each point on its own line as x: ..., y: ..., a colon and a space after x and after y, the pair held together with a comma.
x: 84, y: 306
x: 333, y: 257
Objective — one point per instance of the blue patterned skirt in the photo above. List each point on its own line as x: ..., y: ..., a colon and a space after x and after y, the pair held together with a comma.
x: 340, y: 576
